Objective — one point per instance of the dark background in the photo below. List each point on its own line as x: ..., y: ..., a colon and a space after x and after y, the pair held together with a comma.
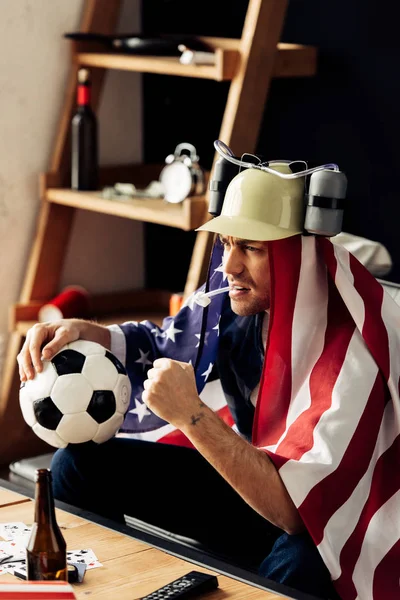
x: 348, y: 114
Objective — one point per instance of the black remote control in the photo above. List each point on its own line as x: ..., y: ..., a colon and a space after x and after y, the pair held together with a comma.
x: 187, y: 586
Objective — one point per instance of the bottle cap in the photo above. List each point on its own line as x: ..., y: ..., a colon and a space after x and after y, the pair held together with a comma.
x: 43, y: 473
x: 83, y: 75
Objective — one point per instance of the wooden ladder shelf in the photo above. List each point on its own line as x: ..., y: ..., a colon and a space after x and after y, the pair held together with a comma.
x: 249, y: 63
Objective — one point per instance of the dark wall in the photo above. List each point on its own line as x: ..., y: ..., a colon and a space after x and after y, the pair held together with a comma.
x: 347, y: 114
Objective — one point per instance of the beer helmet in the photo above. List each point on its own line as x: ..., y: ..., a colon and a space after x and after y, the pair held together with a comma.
x: 267, y: 201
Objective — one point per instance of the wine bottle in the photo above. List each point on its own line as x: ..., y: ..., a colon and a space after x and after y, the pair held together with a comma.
x: 46, y: 551
x: 84, y: 156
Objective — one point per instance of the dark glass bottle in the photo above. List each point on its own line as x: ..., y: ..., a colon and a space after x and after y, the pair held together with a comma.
x: 46, y: 551
x: 84, y: 150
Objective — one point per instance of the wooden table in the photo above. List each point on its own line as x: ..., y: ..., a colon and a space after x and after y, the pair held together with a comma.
x: 134, y: 567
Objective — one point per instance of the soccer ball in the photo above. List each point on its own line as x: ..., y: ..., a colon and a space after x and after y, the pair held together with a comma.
x: 82, y: 394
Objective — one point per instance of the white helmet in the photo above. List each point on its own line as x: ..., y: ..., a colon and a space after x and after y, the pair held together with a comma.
x: 261, y: 206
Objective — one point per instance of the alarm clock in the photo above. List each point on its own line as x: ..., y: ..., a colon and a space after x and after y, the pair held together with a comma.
x: 182, y: 175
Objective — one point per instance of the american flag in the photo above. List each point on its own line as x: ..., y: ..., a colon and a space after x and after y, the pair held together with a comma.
x: 191, y: 336
x: 328, y: 407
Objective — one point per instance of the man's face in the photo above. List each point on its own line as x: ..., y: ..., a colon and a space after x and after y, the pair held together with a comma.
x: 246, y: 264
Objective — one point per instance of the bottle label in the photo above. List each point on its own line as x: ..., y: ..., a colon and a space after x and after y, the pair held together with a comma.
x: 83, y: 95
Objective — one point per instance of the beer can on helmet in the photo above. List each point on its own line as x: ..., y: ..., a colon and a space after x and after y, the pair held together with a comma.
x: 261, y: 206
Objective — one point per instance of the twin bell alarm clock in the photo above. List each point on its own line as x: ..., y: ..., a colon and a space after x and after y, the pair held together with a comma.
x: 182, y: 175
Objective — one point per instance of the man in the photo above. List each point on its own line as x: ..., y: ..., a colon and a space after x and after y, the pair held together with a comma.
x: 266, y: 475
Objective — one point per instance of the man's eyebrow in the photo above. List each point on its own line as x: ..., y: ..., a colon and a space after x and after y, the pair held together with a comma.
x: 238, y: 241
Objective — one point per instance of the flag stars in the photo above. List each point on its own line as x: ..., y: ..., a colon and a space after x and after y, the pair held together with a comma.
x: 198, y: 335
x: 220, y: 269
x: 140, y: 410
x: 171, y: 332
x: 207, y: 373
x: 143, y: 360
x: 190, y: 302
x: 157, y: 332
x: 217, y: 326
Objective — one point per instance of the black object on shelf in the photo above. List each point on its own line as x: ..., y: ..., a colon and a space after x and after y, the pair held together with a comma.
x: 150, y: 45
x: 84, y: 144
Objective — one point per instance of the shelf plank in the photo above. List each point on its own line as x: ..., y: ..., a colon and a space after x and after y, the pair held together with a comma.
x: 154, y: 317
x: 295, y: 60
x: 107, y: 308
x: 163, y: 65
x: 187, y: 215
x: 292, y: 60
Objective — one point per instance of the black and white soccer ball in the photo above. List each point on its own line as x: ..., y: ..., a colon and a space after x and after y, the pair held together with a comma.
x: 82, y: 394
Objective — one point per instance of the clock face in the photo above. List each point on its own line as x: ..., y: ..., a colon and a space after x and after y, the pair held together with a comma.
x: 177, y: 182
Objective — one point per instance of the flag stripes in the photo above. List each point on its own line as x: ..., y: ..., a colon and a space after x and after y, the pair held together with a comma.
x: 355, y: 462
x: 277, y: 365
x: 344, y: 521
x: 322, y: 382
x: 385, y: 578
x: 374, y: 331
x: 337, y: 445
x: 376, y: 530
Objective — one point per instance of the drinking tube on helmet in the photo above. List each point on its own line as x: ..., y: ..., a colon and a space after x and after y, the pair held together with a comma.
x: 203, y: 298
x: 224, y: 151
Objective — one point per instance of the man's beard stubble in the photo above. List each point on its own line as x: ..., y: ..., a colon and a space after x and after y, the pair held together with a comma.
x: 244, y: 308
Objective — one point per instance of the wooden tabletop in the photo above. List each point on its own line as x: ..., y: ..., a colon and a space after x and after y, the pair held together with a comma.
x: 131, y: 568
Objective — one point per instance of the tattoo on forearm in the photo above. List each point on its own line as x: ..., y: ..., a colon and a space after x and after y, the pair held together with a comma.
x: 195, y: 419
